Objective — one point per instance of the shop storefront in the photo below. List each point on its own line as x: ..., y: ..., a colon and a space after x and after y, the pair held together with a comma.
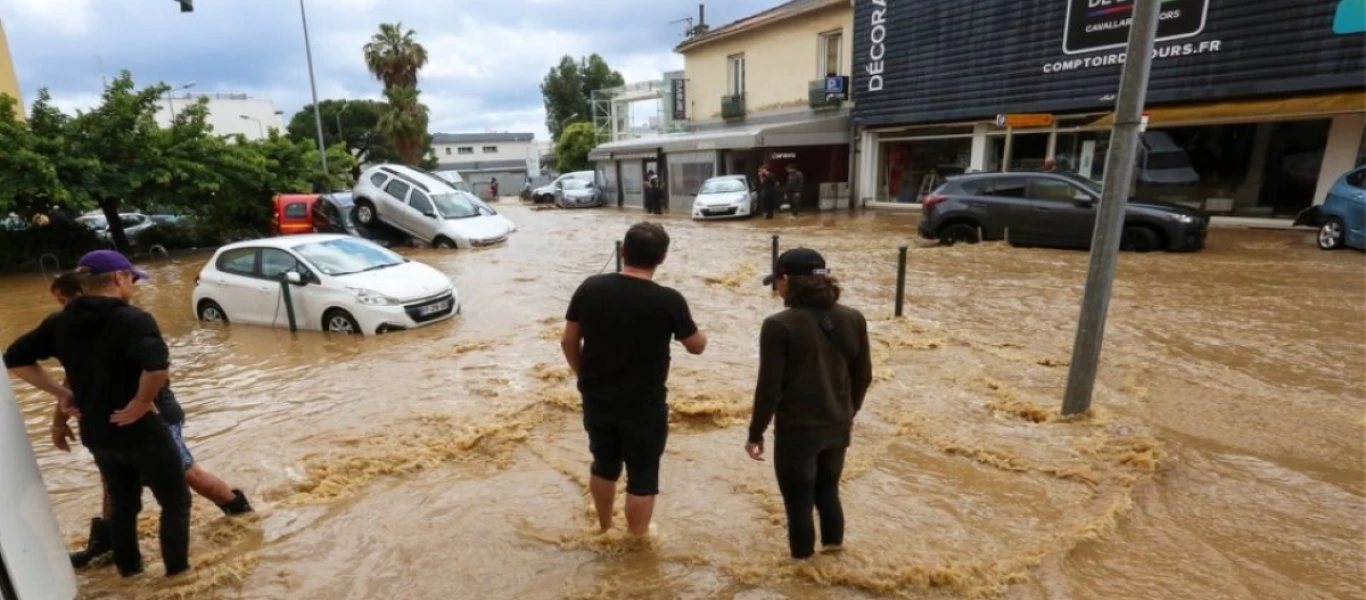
x: 1254, y: 109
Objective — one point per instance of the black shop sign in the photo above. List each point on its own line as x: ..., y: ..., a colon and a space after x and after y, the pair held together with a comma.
x: 1094, y: 25
x: 678, y: 96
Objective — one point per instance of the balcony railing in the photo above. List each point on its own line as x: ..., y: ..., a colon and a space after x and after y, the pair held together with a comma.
x: 733, y: 106
x: 819, y: 97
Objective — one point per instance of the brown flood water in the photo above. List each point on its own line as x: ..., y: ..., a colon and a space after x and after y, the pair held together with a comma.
x: 1224, y: 460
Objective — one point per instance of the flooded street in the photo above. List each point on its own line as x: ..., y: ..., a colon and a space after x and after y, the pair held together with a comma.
x: 1224, y: 459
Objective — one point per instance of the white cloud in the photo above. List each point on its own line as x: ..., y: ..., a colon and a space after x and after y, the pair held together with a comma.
x: 58, y: 18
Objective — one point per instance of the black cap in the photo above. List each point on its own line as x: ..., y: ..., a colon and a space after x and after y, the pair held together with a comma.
x: 798, y: 262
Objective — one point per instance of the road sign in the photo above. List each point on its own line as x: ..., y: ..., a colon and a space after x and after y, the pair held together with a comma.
x: 835, y: 85
x: 1024, y: 121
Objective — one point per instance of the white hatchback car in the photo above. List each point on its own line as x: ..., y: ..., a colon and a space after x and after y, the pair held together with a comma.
x: 340, y: 284
x: 427, y: 208
x: 725, y: 197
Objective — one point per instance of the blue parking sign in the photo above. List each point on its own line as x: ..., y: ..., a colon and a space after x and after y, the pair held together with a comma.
x: 834, y: 85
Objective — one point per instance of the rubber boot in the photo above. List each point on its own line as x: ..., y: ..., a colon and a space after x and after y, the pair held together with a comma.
x: 237, y: 506
x: 98, y: 545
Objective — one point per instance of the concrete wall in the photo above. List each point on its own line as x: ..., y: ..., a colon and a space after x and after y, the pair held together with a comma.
x: 1344, y: 145
x: 225, y: 114
x: 780, y: 62
x: 9, y: 81
x: 505, y: 151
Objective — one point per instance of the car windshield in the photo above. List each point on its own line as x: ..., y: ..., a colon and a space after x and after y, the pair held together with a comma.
x: 1091, y: 185
x: 722, y: 186
x: 346, y: 256
x: 455, y: 205
x: 575, y: 184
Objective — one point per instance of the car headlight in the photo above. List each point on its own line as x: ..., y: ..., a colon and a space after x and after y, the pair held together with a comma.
x: 371, y: 297
x: 1186, y: 219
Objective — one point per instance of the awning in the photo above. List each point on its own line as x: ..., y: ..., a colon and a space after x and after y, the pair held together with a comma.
x: 1276, y: 109
x: 811, y: 132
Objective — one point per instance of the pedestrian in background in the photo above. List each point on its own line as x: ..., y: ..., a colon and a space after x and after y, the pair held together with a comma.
x: 654, y: 194
x: 231, y: 501
x: 117, y: 363
x: 814, y: 371
x: 493, y: 189
x: 1050, y: 165
x: 617, y: 334
x: 768, y: 192
x: 796, y: 185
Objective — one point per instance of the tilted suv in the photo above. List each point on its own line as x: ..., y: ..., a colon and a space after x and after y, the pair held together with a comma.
x: 426, y: 207
x: 1050, y: 209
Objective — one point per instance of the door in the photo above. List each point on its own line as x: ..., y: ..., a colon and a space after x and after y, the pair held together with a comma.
x: 423, y: 212
x: 395, y: 212
x: 325, y: 215
x: 1063, y: 214
x: 244, y: 295
x: 295, y: 218
x: 1003, y: 205
x: 275, y: 263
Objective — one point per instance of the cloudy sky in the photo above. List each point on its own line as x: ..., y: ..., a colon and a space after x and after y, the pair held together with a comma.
x: 487, y: 56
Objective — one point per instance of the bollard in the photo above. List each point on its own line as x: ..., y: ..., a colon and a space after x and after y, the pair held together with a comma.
x: 159, y: 249
x: 289, y: 304
x: 618, y: 253
x: 900, y: 280
x: 56, y: 263
x: 773, y: 266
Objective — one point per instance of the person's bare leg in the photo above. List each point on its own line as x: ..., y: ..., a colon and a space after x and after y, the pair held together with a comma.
x: 639, y: 510
x: 208, y: 485
x: 604, y: 500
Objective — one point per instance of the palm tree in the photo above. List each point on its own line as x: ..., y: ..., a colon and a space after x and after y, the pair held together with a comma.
x: 394, y: 57
x: 404, y: 124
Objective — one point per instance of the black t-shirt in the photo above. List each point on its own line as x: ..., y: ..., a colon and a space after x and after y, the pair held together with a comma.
x: 628, y: 324
x: 105, y: 345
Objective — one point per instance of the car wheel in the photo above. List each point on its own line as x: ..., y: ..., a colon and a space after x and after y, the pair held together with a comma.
x: 340, y: 321
x: 365, y: 213
x: 444, y: 244
x: 1331, y: 234
x: 211, y: 312
x: 959, y: 233
x: 1138, y: 238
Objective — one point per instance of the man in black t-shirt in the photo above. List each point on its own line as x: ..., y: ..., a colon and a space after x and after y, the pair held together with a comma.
x: 616, y: 339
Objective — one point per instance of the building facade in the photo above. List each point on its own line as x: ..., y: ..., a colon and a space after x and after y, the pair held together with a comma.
x: 229, y: 114
x: 753, y: 94
x: 9, y: 80
x: 1253, y: 107
x: 482, y: 157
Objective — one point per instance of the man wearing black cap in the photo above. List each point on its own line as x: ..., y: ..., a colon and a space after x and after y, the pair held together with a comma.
x: 116, y: 364
x: 814, y: 370
x: 617, y: 334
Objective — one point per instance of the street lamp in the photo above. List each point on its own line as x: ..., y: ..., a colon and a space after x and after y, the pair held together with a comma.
x: 566, y: 120
x: 260, y: 127
x: 313, y: 83
x: 341, y: 136
x: 170, y: 96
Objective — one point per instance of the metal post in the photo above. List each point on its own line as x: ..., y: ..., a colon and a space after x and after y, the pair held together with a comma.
x: 900, y: 280
x: 773, y: 267
x: 1009, y: 150
x: 1119, y: 169
x: 313, y: 84
x: 618, y: 253
x: 289, y: 304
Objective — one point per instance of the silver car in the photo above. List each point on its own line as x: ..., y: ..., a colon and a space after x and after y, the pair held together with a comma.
x: 576, y: 193
x: 426, y: 208
x: 546, y: 193
x: 133, y: 224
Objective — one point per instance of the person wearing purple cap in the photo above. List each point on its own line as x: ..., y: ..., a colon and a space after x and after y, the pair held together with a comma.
x: 116, y: 365
x: 814, y: 371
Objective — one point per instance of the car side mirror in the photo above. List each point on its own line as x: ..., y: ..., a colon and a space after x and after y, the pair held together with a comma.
x: 1083, y: 200
x: 294, y: 277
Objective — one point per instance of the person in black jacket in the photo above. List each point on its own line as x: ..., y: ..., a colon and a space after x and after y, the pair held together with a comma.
x: 116, y: 364
x: 768, y: 192
x: 814, y: 371
x: 796, y: 187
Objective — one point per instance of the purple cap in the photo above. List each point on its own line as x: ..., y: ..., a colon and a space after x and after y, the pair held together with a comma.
x: 100, y: 262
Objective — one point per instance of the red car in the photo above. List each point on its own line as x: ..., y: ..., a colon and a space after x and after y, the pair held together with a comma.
x: 294, y: 213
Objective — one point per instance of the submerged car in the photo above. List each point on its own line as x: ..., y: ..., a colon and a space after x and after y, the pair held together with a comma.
x: 133, y: 224
x: 1052, y: 210
x: 725, y: 197
x: 577, y: 193
x: 427, y: 208
x: 339, y: 284
x: 546, y: 193
x: 1341, y: 219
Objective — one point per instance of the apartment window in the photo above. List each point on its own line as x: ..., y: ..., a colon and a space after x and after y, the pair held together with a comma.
x: 830, y: 49
x: 448, y: 150
x: 736, y: 72
x: 490, y: 149
x: 465, y: 150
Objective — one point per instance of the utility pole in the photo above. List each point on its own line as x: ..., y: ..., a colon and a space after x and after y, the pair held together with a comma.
x: 1119, y: 171
x: 313, y: 83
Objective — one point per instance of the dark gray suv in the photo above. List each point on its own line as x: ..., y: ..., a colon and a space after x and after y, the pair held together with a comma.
x: 1050, y: 209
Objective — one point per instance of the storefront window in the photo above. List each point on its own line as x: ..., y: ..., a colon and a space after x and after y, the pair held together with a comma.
x: 914, y: 168
x: 1083, y: 152
x: 1027, y: 152
x: 685, y: 178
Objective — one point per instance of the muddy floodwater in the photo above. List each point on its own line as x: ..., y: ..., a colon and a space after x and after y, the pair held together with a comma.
x: 1223, y: 460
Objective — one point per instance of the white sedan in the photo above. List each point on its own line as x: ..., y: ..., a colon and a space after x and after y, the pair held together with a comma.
x: 725, y: 197
x: 339, y: 284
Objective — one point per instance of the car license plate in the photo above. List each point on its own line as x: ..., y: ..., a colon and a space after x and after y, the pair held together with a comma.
x: 432, y: 309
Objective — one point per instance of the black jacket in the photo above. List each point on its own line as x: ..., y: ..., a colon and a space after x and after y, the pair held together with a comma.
x: 105, y: 345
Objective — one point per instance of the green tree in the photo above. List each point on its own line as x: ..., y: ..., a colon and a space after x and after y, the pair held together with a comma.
x: 354, y: 123
x: 571, y: 151
x: 568, y: 88
x: 394, y: 57
x: 405, y: 122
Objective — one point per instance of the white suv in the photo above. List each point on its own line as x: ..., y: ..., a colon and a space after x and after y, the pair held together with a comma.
x: 426, y: 207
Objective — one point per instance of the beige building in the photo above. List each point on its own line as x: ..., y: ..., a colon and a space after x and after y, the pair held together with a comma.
x: 766, y: 91
x: 9, y: 81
